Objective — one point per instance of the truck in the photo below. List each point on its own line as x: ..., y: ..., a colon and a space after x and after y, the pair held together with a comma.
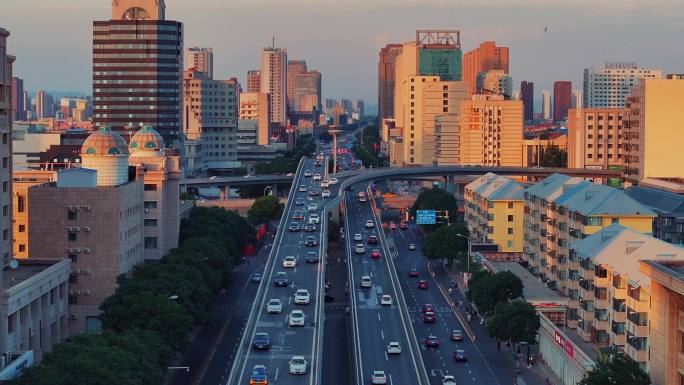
x: 362, y: 196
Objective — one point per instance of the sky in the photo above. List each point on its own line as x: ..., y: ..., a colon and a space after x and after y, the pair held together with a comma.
x: 341, y: 38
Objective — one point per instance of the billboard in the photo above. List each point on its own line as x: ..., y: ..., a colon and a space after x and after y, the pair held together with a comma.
x: 426, y: 217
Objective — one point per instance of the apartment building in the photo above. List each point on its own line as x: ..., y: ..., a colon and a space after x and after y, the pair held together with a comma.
x: 494, y: 207
x: 609, y: 86
x: 596, y: 137
x: 487, y: 56
x: 669, y: 225
x: 254, y: 106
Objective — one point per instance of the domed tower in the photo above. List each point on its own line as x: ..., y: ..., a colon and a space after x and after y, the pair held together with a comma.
x: 146, y: 142
x: 106, y: 151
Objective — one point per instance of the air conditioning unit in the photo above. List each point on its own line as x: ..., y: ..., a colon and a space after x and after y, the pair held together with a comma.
x: 73, y: 317
x: 86, y: 229
x: 74, y: 292
x: 86, y: 250
x: 76, y: 271
x: 86, y: 271
x: 86, y: 208
x: 72, y: 208
x: 147, y: 211
x: 87, y: 292
x: 74, y: 250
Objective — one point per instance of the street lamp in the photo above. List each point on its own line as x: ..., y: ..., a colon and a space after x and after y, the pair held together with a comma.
x: 269, y: 189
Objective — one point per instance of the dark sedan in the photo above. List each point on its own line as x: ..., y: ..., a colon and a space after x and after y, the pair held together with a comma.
x: 432, y: 342
x: 460, y: 356
x: 311, y: 257
x: 310, y: 242
x: 281, y: 280
x: 261, y: 341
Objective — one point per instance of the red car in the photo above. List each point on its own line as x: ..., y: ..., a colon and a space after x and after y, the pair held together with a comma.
x: 372, y: 240
x: 432, y: 342
x: 375, y: 254
x: 298, y: 215
x: 403, y: 225
x: 413, y: 273
x: 393, y: 226
x: 429, y: 317
x: 427, y: 307
x: 422, y: 284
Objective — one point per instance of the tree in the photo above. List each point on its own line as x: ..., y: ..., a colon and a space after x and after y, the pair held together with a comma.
x: 489, y: 290
x: 516, y: 322
x: 436, y: 199
x: 617, y: 369
x: 265, y: 209
x: 551, y: 156
x: 446, y: 242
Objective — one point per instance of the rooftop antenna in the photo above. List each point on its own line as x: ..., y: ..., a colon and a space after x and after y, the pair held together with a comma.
x: 274, y: 42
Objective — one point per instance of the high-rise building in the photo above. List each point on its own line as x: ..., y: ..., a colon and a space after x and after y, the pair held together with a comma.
x: 546, y: 105
x: 254, y: 106
x: 135, y: 85
x: 5, y: 150
x: 253, y: 81
x: 527, y: 95
x: 495, y: 82
x: 18, y: 99
x: 608, y: 87
x: 303, y: 88
x: 576, y: 99
x: 274, y: 82
x: 485, y: 58
x: 562, y: 99
x: 211, y: 115
x: 386, y: 78
x: 200, y: 59
x: 42, y: 104
x: 359, y: 109
x: 26, y: 100
x: 596, y: 137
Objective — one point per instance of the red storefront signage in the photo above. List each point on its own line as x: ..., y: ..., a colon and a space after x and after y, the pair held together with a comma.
x: 569, y: 349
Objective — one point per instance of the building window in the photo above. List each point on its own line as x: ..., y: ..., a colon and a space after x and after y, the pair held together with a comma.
x: 150, y: 223
x: 21, y: 204
x: 510, y: 205
x: 615, y: 220
x: 72, y: 236
x: 150, y: 187
x: 5, y: 210
x: 510, y: 218
x: 5, y: 234
x: 22, y: 248
x: 73, y: 278
x: 150, y: 242
x: 150, y: 205
x: 73, y: 257
x: 72, y: 215
x: 510, y: 230
x: 93, y: 324
x: 22, y: 228
x: 509, y: 244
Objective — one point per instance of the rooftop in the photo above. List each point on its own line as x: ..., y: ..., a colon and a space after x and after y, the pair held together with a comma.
x: 494, y: 187
x: 552, y: 186
x: 27, y: 269
x: 589, y: 198
x: 658, y: 200
x: 534, y: 290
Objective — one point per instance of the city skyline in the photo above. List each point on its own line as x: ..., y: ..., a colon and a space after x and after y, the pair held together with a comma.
x: 538, y: 37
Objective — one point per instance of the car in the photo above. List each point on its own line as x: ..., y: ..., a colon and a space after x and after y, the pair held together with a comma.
x: 317, y: 177
x: 403, y: 225
x: 366, y: 281
x: 369, y: 224
x: 297, y: 365
x: 294, y: 226
x: 393, y: 226
x: 412, y: 246
x: 261, y: 341
x: 360, y: 248
x: 274, y: 306
x: 311, y: 257
x: 280, y: 280
x: 314, y: 193
x: 290, y: 174
x: 432, y: 342
x: 378, y: 377
x: 310, y: 241
x: 427, y: 307
x: 290, y: 261
x: 375, y: 254
x: 317, y: 164
x: 325, y: 184
x: 422, y: 284
x: 333, y: 181
x: 303, y: 188
x: 314, y: 218
x: 308, y: 174
x: 302, y: 297
x: 296, y: 318
x: 372, y: 240
x: 325, y: 193
x: 456, y: 335
x: 393, y: 347
x: 256, y: 277
x: 259, y: 375
x: 312, y: 207
x: 413, y: 273
x: 448, y: 379
x: 297, y: 215
x: 386, y: 300
x: 460, y: 356
x: 299, y: 202
x: 310, y: 227
x: 358, y: 237
x: 429, y: 317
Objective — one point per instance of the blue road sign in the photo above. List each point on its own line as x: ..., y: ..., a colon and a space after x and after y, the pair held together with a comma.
x: 426, y: 217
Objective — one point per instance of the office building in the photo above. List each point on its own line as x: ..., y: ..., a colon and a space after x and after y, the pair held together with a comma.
x: 6, y: 62
x: 254, y: 106
x: 42, y: 104
x: 596, y: 137
x: 134, y: 85
x: 527, y: 96
x: 18, y: 109
x: 608, y: 87
x: 495, y: 82
x: 200, y: 60
x: 210, y: 117
x: 576, y: 99
x: 253, y: 81
x: 486, y: 57
x: 491, y: 131
x: 562, y: 99
x: 386, y: 78
x: 669, y: 224
x: 546, y: 105
x: 274, y: 82
x: 303, y: 89
x: 359, y: 109
x: 653, y: 150
x: 494, y: 211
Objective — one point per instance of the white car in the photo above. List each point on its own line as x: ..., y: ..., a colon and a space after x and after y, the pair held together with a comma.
x: 302, y: 297
x: 312, y: 207
x: 317, y: 177
x: 274, y: 306
x: 360, y: 248
x: 386, y: 300
x: 370, y: 224
x: 297, y: 365
x: 303, y: 188
x: 325, y: 194
x: 290, y: 261
x: 314, y: 218
x: 296, y: 318
x: 448, y: 379
x: 358, y: 237
x: 378, y: 378
x: 366, y: 281
x: 325, y: 184
x: 308, y: 174
x: 333, y: 181
x: 393, y: 347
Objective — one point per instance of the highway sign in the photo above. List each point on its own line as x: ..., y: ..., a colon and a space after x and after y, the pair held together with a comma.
x: 426, y: 217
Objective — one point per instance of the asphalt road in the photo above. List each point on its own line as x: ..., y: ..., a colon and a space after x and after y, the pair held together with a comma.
x: 377, y: 324
x: 286, y: 341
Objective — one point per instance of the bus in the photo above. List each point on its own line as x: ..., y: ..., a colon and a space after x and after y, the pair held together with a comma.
x: 362, y: 196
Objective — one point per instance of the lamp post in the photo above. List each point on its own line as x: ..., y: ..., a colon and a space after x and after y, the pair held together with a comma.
x: 269, y: 189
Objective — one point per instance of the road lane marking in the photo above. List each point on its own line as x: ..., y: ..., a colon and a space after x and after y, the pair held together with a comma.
x: 379, y: 320
x: 382, y: 335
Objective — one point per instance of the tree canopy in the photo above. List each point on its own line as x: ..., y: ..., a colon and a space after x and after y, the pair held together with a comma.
x: 489, y: 290
x: 617, y: 369
x: 436, y: 199
x: 264, y: 209
x: 551, y: 156
x: 516, y: 321
x: 445, y: 242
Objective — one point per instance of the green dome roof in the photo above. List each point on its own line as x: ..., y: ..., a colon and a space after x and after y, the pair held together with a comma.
x: 104, y: 142
x: 146, y: 139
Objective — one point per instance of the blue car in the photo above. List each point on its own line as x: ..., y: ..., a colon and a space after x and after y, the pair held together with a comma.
x: 259, y: 375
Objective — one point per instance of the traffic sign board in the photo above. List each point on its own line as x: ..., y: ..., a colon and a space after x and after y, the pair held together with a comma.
x: 426, y: 217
